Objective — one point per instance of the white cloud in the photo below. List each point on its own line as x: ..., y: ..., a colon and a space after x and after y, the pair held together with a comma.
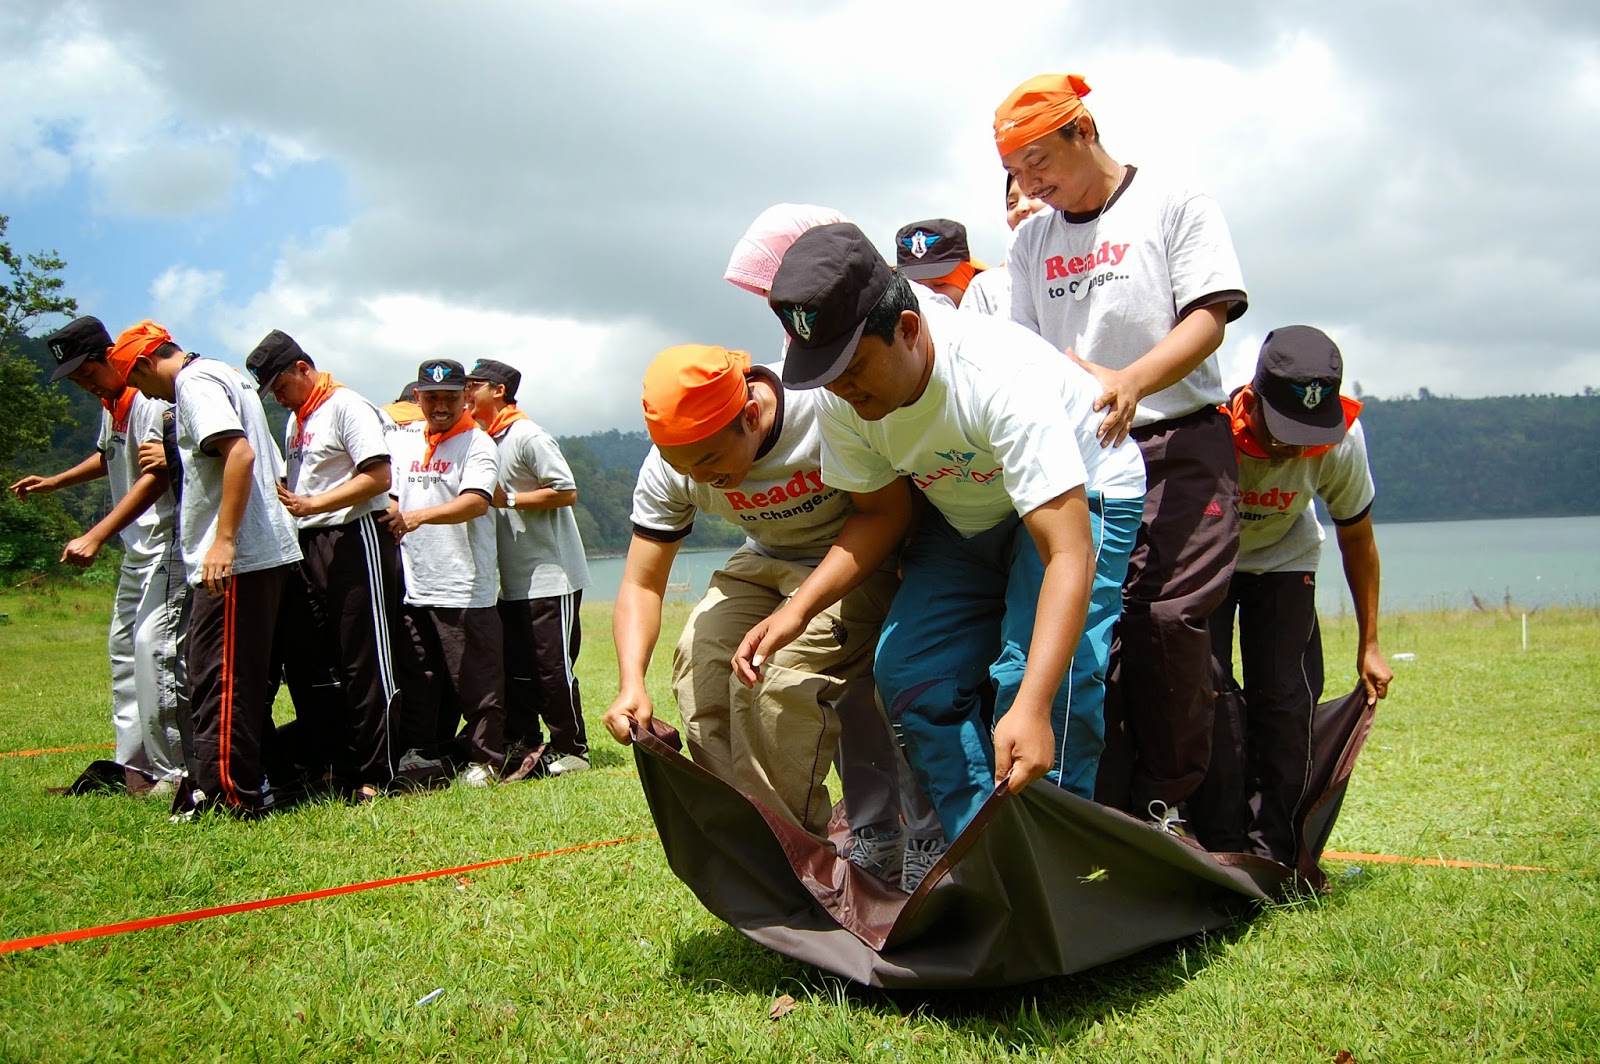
x: 181, y: 292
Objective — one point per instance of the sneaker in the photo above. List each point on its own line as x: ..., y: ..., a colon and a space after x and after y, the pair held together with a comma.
x: 880, y: 851
x: 1167, y: 818
x: 566, y: 764
x: 477, y: 774
x: 921, y: 855
x: 413, y: 761
x: 528, y: 763
x: 165, y: 787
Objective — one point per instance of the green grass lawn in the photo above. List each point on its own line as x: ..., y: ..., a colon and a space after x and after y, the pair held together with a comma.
x: 1482, y: 753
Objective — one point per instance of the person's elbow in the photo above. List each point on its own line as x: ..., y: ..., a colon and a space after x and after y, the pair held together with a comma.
x: 569, y: 497
x: 475, y: 505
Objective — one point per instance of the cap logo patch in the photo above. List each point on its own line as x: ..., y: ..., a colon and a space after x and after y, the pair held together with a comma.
x: 919, y: 243
x: 802, y: 320
x: 437, y: 373
x: 59, y: 352
x: 1310, y: 395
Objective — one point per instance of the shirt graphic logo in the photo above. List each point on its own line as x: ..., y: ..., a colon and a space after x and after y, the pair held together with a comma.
x: 802, y: 320
x: 437, y: 373
x: 1310, y: 395
x: 959, y: 467
x: 962, y: 459
x: 919, y: 242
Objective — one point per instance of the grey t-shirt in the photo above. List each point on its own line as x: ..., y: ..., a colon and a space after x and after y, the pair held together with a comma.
x: 1113, y: 283
x: 340, y: 437
x: 1278, y: 529
x: 148, y: 536
x: 541, y: 553
x: 989, y: 293
x: 216, y: 401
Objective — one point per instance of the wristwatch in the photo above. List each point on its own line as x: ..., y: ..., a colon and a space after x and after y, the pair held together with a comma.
x: 511, y: 499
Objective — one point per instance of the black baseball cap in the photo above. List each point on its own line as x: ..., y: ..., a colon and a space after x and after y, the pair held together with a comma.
x: 830, y: 279
x: 1297, y: 380
x: 441, y: 375
x: 276, y: 352
x: 76, y: 342
x: 929, y: 249
x: 487, y: 369
x: 408, y: 394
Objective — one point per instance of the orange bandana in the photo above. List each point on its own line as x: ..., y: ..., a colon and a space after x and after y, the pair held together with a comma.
x: 404, y: 413
x: 120, y: 406
x: 320, y: 393
x: 141, y: 341
x: 693, y: 391
x: 508, y: 415
x: 961, y: 276
x: 1038, y: 106
x: 1245, y: 442
x: 466, y: 424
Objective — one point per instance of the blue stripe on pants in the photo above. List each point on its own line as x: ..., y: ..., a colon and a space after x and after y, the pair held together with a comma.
x: 956, y: 641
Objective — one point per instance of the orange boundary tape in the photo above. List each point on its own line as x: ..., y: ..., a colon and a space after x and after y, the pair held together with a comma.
x: 1436, y: 862
x: 59, y: 937
x: 57, y: 750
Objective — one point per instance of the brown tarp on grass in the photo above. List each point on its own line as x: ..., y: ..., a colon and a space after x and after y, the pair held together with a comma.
x: 1040, y: 884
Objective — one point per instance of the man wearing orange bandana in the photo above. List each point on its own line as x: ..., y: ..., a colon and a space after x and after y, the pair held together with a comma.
x: 1134, y: 276
x: 542, y: 576
x: 1298, y: 440
x: 239, y: 547
x: 934, y: 253
x: 338, y: 625
x: 147, y: 613
x: 731, y: 440
x: 445, y: 478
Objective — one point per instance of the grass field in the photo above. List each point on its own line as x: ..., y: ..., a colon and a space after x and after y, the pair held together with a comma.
x: 1483, y: 753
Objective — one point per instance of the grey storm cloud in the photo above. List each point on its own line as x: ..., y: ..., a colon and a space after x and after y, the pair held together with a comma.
x: 599, y: 161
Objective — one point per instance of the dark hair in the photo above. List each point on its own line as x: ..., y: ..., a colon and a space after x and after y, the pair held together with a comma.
x: 1011, y: 179
x: 884, y: 318
x: 306, y: 359
x: 1070, y: 130
x: 166, y: 350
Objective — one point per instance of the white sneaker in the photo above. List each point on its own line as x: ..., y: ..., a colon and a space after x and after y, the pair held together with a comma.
x: 567, y: 764
x: 477, y: 774
x: 414, y: 761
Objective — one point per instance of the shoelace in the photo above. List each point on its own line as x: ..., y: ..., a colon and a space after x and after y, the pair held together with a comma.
x: 1164, y: 816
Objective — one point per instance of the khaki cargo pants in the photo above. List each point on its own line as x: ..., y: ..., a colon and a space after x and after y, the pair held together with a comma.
x: 774, y: 742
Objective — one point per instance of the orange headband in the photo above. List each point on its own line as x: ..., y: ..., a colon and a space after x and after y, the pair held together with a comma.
x: 1038, y: 106
x: 692, y: 391
x: 138, y: 342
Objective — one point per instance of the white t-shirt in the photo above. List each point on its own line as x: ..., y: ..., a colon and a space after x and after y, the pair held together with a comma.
x: 342, y: 435
x: 447, y: 565
x: 989, y: 293
x: 149, y: 535
x: 541, y: 553
x: 783, y: 506
x: 1278, y: 529
x: 1005, y: 425
x: 1112, y: 284
x: 216, y: 401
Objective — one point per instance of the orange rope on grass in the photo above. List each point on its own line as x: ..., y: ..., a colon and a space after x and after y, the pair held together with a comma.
x: 1435, y: 862
x: 57, y: 750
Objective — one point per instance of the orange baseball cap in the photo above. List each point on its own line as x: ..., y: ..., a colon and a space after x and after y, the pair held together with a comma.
x: 692, y: 391
x: 1040, y: 105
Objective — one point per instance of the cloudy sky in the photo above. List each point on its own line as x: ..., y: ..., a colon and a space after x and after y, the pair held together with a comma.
x: 559, y: 185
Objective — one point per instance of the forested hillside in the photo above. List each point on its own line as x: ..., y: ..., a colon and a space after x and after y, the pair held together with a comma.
x: 1433, y: 459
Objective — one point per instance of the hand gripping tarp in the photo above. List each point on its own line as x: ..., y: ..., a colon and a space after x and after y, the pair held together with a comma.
x: 1042, y: 883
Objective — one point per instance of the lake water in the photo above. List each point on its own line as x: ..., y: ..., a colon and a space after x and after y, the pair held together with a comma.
x: 1547, y: 561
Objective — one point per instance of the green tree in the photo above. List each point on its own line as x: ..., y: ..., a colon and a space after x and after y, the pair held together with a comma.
x: 30, y: 291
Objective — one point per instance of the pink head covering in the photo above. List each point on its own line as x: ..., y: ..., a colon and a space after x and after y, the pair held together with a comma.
x: 757, y: 254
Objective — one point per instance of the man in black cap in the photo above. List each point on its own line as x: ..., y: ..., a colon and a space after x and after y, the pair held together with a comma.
x: 542, y: 576
x: 934, y: 253
x: 337, y: 626
x: 1028, y: 517
x: 1297, y: 438
x: 445, y: 479
x: 146, y: 615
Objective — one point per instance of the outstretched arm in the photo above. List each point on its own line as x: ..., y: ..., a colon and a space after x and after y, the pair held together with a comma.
x: 870, y: 534
x: 635, y: 627
x: 1358, y: 549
